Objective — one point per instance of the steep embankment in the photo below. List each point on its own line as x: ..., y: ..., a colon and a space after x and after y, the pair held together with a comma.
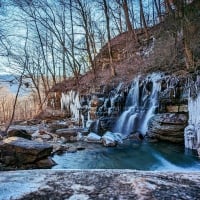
x: 167, y: 48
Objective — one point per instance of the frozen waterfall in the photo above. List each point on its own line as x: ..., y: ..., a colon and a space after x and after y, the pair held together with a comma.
x: 141, y: 104
x: 192, y: 131
x: 71, y: 103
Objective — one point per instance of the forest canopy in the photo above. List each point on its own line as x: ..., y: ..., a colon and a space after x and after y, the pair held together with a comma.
x: 58, y: 39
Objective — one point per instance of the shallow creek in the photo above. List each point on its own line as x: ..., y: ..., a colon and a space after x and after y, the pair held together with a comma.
x: 131, y: 155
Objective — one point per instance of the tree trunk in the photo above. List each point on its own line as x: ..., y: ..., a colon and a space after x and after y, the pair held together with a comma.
x: 157, y: 6
x: 144, y: 20
x: 127, y: 18
x: 188, y: 53
x: 113, y: 72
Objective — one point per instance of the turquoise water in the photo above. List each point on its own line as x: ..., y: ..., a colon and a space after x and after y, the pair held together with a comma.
x: 131, y: 155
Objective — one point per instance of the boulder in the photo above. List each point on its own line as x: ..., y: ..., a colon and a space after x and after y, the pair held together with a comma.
x: 70, y: 134
x: 44, y: 135
x: 168, y: 127
x: 110, y: 139
x: 59, y: 149
x: 93, y: 137
x: 19, y: 151
x: 19, y: 133
x: 45, y: 163
x: 58, y: 125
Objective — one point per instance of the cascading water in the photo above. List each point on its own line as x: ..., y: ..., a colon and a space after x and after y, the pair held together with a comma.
x: 140, y: 106
x: 125, y: 122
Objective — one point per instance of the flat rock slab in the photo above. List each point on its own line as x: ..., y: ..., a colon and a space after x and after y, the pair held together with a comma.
x: 67, y: 132
x: 98, y: 185
x: 16, y: 149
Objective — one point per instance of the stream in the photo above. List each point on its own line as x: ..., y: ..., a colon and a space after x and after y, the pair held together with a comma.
x: 131, y: 155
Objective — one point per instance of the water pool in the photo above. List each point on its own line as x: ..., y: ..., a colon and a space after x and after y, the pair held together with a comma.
x: 131, y: 155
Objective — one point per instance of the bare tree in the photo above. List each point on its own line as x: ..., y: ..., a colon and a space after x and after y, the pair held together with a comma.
x: 20, y: 82
x: 143, y: 20
x: 106, y: 12
x: 84, y: 14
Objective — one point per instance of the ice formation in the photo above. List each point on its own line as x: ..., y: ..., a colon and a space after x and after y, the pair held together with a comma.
x: 71, y: 103
x: 192, y: 131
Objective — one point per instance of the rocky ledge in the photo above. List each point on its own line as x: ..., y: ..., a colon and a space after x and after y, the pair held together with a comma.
x: 23, y: 153
x: 168, y: 127
x: 98, y: 184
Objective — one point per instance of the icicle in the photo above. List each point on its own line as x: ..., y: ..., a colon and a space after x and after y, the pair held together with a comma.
x: 192, y: 131
x: 70, y: 102
x: 83, y: 121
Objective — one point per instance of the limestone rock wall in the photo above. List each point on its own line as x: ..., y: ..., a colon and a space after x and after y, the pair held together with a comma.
x: 172, y: 117
x: 101, y: 108
x: 168, y: 127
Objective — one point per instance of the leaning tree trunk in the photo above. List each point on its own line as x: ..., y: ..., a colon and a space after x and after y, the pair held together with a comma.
x: 15, y: 103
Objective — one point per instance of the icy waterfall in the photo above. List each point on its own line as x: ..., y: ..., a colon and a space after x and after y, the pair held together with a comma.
x: 141, y: 104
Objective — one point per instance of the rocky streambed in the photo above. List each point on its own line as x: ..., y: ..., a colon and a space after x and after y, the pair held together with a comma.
x: 33, y: 146
x: 38, y: 146
x: 98, y: 184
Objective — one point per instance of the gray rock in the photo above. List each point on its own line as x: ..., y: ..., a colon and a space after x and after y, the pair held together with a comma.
x: 19, y: 151
x: 67, y: 132
x: 110, y: 139
x: 94, y: 138
x: 19, y: 133
x: 70, y: 134
x: 57, y: 125
x: 45, y: 163
x: 99, y: 185
x: 168, y: 127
